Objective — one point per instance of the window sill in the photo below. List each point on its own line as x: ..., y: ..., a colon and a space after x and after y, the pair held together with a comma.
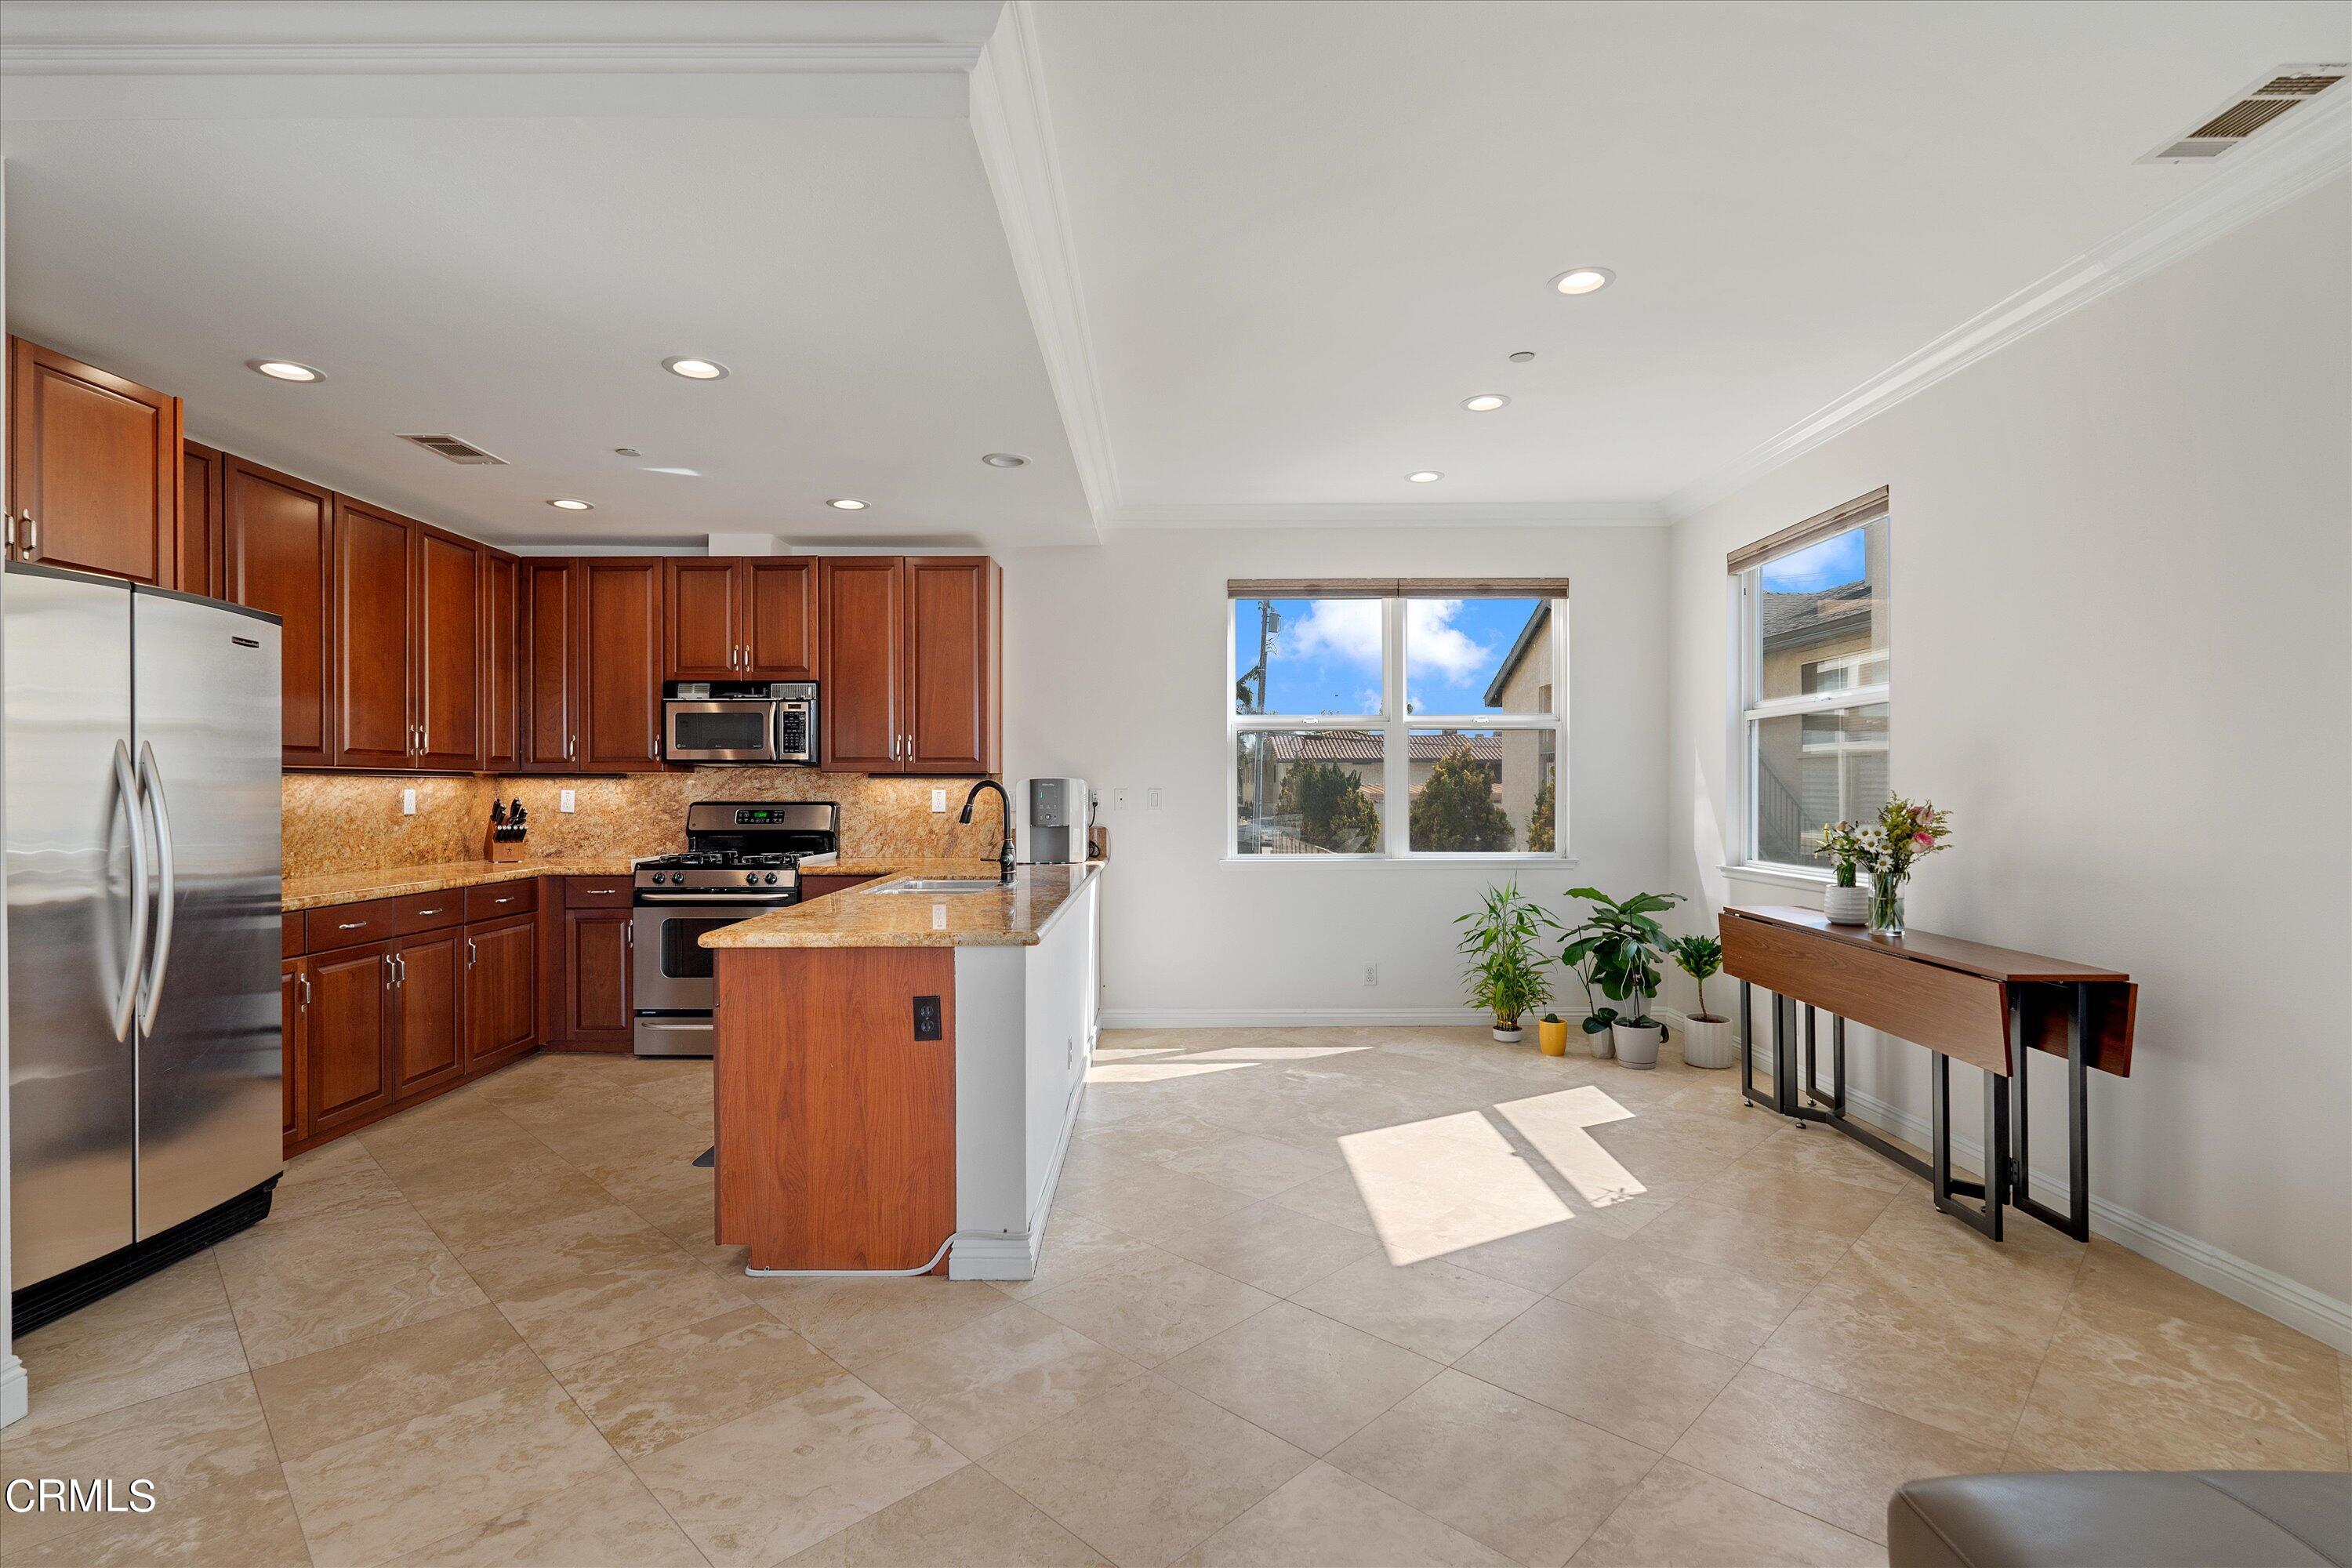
x: 1779, y: 876
x: 1515, y: 862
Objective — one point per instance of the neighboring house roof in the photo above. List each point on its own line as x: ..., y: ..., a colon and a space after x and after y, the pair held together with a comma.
x: 1792, y: 619
x: 1536, y: 621
x: 1360, y: 746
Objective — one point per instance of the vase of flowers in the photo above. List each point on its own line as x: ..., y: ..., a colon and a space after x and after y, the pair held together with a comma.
x: 1904, y: 831
x: 1844, y: 902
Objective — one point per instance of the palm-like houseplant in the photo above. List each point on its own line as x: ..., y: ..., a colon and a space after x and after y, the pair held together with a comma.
x: 1618, y: 948
x: 1505, y: 969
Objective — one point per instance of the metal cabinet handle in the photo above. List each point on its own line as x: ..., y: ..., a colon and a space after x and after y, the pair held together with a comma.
x: 400, y: 969
x: 470, y: 953
x: 168, y: 884
x: 127, y: 786
x: 302, y: 989
x: 571, y: 748
x: 351, y: 925
x: 422, y: 913
x: 32, y: 534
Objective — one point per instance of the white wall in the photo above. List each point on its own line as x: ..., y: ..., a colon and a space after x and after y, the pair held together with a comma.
x: 2122, y: 554
x: 1115, y: 671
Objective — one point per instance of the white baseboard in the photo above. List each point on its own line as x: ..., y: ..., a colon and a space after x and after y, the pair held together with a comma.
x: 16, y: 1389
x: 2272, y: 1294
x: 1286, y: 1018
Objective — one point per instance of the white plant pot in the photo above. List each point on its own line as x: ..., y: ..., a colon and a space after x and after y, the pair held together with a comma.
x: 1603, y: 1046
x: 1638, y: 1047
x: 1846, y: 906
x: 1510, y: 1037
x: 1709, y: 1043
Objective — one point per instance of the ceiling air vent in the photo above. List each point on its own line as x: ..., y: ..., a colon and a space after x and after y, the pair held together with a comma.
x: 2255, y: 108
x: 454, y: 449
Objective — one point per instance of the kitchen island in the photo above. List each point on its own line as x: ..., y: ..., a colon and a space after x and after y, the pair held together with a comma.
x: 897, y: 1073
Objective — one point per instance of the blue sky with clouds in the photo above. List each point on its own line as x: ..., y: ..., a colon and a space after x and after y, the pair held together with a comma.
x: 1835, y: 560
x: 1327, y: 657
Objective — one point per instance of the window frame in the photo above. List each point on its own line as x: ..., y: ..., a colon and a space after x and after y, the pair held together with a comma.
x: 1395, y: 726
x: 1750, y: 711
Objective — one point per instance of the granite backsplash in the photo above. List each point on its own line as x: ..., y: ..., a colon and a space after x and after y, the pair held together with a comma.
x: 352, y: 821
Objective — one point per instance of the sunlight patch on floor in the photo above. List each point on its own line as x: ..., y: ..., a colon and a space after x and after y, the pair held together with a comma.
x: 1274, y: 1053
x: 1559, y: 1127
x: 1155, y: 1072
x: 1435, y: 1186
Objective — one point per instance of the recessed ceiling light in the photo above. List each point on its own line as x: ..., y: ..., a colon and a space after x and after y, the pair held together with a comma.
x: 565, y: 503
x: 847, y: 503
x: 696, y: 369
x: 287, y: 369
x: 1485, y: 403
x: 1426, y: 477
x: 626, y: 452
x: 1583, y: 279
x: 1005, y: 459
x: 1523, y: 356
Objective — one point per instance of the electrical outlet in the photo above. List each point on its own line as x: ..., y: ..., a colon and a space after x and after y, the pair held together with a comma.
x: 1122, y: 798
x: 939, y: 800
x: 1154, y: 798
x: 565, y: 801
x: 1372, y: 974
x: 408, y: 802
x: 927, y: 1017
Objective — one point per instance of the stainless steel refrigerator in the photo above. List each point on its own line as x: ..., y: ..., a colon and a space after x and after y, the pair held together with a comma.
x: 141, y: 811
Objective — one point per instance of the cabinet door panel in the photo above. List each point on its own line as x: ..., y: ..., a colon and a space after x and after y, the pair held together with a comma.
x: 502, y: 660
x: 95, y: 459
x: 780, y: 616
x: 620, y: 663
x: 550, y: 702
x: 372, y: 619
x: 276, y: 555
x: 199, y: 542
x: 448, y: 643
x: 951, y: 658
x: 596, y: 967
x: 704, y: 612
x: 294, y: 1021
x: 350, y: 1064
x: 428, y: 997
x: 501, y: 991
x: 860, y: 670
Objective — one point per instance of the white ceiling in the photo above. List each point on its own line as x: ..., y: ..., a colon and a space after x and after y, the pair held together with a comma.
x: 1228, y: 262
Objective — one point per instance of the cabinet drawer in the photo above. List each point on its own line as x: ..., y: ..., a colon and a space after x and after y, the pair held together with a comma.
x: 499, y: 899
x: 292, y: 947
x: 414, y: 913
x: 597, y: 892
x: 348, y: 925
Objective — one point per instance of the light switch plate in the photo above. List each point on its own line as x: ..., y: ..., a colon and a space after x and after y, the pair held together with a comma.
x: 939, y: 800
x: 565, y: 800
x: 408, y: 802
x: 1154, y: 798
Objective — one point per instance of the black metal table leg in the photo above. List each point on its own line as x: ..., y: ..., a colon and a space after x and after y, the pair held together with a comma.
x: 1837, y: 1063
x: 2075, y: 1221
x: 1949, y: 1189
x: 1812, y: 1066
x: 1746, y: 1042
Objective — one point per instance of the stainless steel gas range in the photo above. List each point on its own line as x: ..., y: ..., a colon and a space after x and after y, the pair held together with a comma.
x: 743, y: 857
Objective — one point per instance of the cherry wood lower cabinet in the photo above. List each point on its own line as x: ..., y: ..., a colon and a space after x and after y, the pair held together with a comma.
x: 428, y: 1004
x: 294, y: 1018
x: 502, y: 991
x: 596, y: 952
x: 349, y: 1040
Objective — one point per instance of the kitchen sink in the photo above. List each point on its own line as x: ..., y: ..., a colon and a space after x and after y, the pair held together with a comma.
x: 944, y: 885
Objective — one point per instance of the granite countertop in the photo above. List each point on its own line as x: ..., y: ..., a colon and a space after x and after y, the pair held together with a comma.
x: 352, y: 887
x: 1016, y: 916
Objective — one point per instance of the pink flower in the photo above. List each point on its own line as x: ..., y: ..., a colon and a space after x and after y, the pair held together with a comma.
x: 1925, y: 840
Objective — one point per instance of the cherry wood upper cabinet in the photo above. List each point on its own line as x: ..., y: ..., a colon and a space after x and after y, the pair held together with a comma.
x: 199, y: 541
x: 912, y: 663
x: 93, y: 468
x: 502, y: 660
x: 445, y: 650
x: 374, y: 611
x: 703, y: 609
x: 863, y: 647
x: 781, y: 616
x: 550, y: 694
x: 952, y: 662
x: 619, y: 655
x: 276, y: 555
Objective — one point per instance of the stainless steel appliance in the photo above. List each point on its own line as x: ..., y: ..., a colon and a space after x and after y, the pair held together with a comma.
x: 742, y: 856
x: 740, y: 721
x: 142, y: 842
x: 1049, y: 821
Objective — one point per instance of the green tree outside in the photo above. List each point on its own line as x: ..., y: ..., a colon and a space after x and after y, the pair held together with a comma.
x: 1333, y: 811
x: 1455, y: 811
x: 1540, y: 826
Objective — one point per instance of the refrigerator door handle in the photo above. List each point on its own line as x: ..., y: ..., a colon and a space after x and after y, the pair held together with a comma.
x: 168, y: 886
x: 127, y: 1003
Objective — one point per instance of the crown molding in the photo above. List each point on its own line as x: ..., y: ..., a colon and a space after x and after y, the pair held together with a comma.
x: 2257, y: 179
x: 488, y: 59
x: 1013, y: 126
x: 1394, y: 514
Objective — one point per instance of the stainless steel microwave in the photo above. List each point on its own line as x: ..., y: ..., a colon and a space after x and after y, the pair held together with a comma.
x: 740, y: 721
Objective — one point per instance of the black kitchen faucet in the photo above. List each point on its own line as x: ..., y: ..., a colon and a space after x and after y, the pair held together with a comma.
x: 1003, y: 850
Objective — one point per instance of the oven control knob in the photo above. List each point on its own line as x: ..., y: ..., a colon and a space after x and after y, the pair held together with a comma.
x: 769, y: 878
x: 659, y: 878
x: 750, y: 876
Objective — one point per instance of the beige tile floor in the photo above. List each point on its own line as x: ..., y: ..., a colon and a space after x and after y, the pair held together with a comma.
x: 1356, y: 1298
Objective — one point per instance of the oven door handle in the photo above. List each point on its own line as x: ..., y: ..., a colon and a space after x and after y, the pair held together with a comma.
x: 764, y: 901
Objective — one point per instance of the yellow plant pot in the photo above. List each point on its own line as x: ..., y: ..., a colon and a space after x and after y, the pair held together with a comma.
x: 1552, y: 1037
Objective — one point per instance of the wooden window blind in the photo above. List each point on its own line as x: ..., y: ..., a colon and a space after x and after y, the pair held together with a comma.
x: 1397, y: 588
x: 1818, y: 527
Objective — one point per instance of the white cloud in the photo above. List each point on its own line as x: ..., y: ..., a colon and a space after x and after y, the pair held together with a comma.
x: 1344, y: 628
x: 1434, y: 644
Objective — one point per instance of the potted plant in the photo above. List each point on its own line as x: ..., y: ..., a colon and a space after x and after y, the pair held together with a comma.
x: 1845, y: 903
x: 1576, y: 957
x: 1506, y: 972
x: 1707, y: 1040
x: 1551, y: 1034
x: 1623, y: 944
